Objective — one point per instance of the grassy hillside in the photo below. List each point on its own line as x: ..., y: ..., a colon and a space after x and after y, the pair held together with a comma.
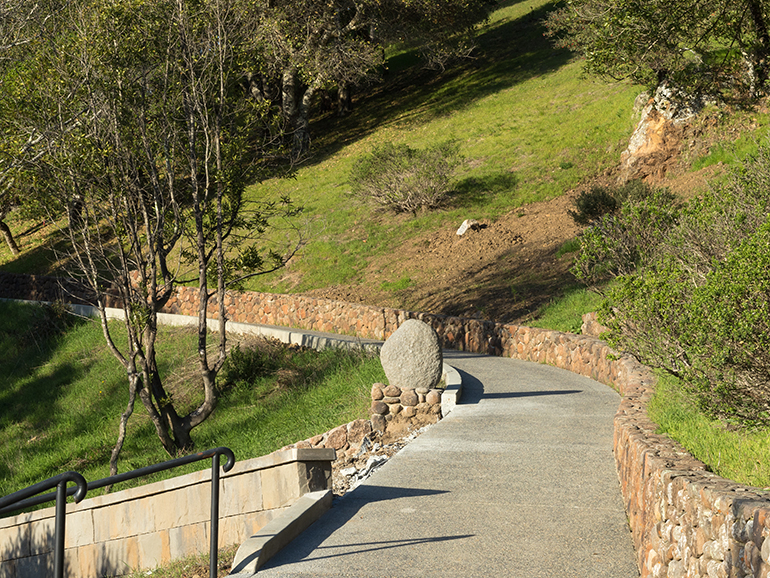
x: 529, y: 125
x: 62, y: 393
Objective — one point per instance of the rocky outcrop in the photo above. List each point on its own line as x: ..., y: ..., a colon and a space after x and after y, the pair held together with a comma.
x: 657, y: 139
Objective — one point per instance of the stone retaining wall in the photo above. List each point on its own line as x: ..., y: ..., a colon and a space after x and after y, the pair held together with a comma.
x: 685, y: 521
x: 152, y: 524
x: 43, y: 288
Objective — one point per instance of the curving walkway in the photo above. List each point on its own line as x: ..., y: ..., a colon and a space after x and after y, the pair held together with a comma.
x: 518, y: 481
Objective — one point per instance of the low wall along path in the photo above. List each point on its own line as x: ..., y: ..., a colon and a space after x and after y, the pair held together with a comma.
x: 685, y: 520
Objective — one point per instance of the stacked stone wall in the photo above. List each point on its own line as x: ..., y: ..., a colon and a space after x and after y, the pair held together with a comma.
x: 686, y: 521
x: 44, y: 288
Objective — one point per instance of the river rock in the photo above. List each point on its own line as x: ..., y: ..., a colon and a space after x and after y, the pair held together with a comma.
x: 358, y: 429
x: 433, y: 398
x: 411, y: 357
x: 392, y: 391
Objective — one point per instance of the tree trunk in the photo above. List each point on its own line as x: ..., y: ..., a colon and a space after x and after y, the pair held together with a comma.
x: 161, y: 425
x: 289, y: 95
x: 763, y: 50
x: 8, y: 236
x: 123, y: 428
x: 344, y: 100
x: 302, y: 123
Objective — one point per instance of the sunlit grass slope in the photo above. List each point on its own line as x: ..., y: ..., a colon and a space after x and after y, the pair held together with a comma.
x: 529, y: 124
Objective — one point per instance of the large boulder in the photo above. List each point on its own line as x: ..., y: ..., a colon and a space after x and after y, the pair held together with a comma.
x: 411, y: 357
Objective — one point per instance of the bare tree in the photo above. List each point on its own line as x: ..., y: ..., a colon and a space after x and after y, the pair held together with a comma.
x: 162, y: 147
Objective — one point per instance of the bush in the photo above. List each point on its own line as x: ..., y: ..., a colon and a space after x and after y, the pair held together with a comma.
x: 695, y: 298
x: 599, y: 201
x: 714, y: 336
x: 404, y: 179
x: 591, y: 205
x: 249, y: 361
x: 619, y: 243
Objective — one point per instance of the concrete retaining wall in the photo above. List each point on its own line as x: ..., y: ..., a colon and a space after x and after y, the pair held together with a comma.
x: 152, y: 524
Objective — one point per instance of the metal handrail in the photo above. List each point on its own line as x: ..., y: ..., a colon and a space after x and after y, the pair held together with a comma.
x: 213, y: 454
x: 12, y: 502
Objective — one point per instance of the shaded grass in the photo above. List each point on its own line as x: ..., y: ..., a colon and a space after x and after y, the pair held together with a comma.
x: 736, y: 455
x: 61, y: 398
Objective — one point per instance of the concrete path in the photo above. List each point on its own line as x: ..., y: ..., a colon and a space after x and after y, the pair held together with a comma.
x: 518, y: 481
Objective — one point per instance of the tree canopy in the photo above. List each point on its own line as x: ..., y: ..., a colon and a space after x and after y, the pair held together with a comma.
x: 309, y: 45
x: 145, y: 137
x: 710, y: 45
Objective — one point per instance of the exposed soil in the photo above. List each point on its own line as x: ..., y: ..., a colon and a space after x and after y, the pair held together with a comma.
x: 499, y: 270
x: 508, y: 269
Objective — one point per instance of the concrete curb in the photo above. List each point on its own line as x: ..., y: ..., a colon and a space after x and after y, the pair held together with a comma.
x: 311, y: 339
x: 454, y: 389
x: 263, y: 545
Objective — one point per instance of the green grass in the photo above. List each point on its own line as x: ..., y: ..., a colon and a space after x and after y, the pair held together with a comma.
x: 739, y: 142
x: 195, y: 566
x: 736, y: 455
x: 61, y: 398
x: 529, y: 124
x: 570, y: 246
x: 566, y: 314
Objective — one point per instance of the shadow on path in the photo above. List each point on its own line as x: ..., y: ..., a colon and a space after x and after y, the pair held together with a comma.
x: 516, y: 394
x: 386, y: 545
x: 345, y: 509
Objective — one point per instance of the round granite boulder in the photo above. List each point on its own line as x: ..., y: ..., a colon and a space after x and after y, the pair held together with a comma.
x: 411, y: 357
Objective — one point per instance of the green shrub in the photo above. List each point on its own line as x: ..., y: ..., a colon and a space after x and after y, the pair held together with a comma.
x: 599, y: 201
x: 404, y: 179
x: 590, y: 205
x: 618, y: 243
x: 694, y: 298
x: 715, y: 336
x: 248, y: 361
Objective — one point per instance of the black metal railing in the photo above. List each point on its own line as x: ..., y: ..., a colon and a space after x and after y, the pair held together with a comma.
x: 11, y: 503
x: 25, y: 501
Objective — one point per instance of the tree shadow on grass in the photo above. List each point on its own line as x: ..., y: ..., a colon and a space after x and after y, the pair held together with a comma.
x: 473, y: 191
x: 509, y: 53
x: 509, y: 290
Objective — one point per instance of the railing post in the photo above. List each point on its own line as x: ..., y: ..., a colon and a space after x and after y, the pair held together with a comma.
x: 214, y: 525
x: 61, y: 513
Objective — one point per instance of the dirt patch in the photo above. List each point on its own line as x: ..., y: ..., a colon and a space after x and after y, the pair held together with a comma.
x: 508, y: 269
x: 375, y: 451
x: 501, y: 270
